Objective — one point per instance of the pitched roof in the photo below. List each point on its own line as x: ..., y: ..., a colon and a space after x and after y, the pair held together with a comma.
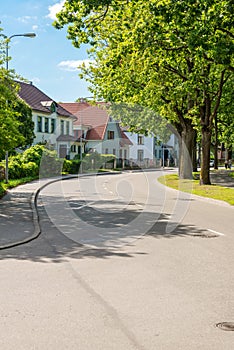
x: 94, y: 116
x: 125, y: 140
x: 65, y: 138
x: 38, y: 100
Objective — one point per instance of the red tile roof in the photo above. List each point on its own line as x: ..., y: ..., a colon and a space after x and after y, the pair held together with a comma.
x: 125, y: 140
x: 94, y: 116
x: 36, y: 99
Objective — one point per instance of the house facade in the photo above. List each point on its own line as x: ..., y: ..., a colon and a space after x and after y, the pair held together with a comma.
x: 75, y: 128
x: 148, y: 151
x: 95, y: 131
x: 53, y: 125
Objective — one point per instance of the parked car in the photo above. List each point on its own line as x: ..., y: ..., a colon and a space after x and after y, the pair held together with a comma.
x: 212, y: 163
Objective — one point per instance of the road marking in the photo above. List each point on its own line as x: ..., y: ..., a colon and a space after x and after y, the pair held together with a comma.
x: 216, y: 232
x: 82, y: 206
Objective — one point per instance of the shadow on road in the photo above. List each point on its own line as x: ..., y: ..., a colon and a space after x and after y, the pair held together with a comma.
x: 53, y: 246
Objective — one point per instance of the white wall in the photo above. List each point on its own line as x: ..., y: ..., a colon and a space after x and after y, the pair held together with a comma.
x: 113, y: 144
x: 43, y: 136
x: 147, y: 147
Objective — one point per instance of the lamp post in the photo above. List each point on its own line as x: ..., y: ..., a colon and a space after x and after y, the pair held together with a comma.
x: 163, y: 159
x: 8, y: 39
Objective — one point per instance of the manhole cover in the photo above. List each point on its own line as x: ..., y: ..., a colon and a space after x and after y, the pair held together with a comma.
x: 226, y: 326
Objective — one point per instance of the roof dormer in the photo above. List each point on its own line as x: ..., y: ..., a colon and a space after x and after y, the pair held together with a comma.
x: 51, y: 105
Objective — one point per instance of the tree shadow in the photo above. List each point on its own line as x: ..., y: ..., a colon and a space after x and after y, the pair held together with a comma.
x: 15, y: 215
x: 53, y: 245
x: 161, y: 229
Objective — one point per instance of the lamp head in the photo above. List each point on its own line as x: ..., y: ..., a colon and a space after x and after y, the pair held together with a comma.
x: 29, y: 35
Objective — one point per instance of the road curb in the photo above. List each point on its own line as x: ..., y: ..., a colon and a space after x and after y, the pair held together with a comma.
x: 34, y: 208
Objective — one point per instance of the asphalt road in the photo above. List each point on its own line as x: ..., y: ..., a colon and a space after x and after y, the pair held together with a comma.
x: 122, y: 263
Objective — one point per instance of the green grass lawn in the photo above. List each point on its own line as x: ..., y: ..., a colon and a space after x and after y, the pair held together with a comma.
x: 13, y: 183
x: 193, y: 186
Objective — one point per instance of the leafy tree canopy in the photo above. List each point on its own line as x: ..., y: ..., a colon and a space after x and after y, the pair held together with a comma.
x: 10, y: 136
x: 172, y: 56
x: 16, y: 125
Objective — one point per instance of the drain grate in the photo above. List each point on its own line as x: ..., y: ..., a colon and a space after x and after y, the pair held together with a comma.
x: 226, y: 326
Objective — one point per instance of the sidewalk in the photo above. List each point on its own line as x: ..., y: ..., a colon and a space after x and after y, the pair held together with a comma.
x: 18, y: 215
x: 222, y: 178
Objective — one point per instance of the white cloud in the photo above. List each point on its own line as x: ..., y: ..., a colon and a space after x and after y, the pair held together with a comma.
x: 35, y: 27
x: 73, y: 65
x: 53, y: 9
x: 26, y: 19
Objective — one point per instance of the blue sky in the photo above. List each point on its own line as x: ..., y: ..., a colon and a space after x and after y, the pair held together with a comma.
x: 49, y: 60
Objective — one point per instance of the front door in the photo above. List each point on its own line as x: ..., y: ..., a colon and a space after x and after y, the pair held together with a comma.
x: 62, y: 151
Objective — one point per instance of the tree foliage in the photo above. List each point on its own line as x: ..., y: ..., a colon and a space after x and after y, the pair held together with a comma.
x: 10, y: 136
x: 174, y: 57
x: 16, y: 125
x: 26, y: 127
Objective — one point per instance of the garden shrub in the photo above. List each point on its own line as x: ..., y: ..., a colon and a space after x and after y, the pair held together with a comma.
x: 33, y: 154
x: 72, y: 166
x: 30, y: 169
x: 15, y: 170
x: 98, y: 161
x: 50, y: 164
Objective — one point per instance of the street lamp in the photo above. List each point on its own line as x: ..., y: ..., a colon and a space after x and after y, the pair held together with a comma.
x: 8, y: 39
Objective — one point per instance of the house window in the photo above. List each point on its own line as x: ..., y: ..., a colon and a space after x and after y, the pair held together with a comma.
x: 106, y: 151
x: 47, y: 125
x: 52, y: 127
x: 110, y: 135
x: 67, y: 128
x: 120, y: 153
x: 73, y: 148
x: 53, y: 107
x: 39, y: 124
x: 140, y: 140
x: 62, y: 127
x: 114, y: 151
x: 140, y: 155
x: 125, y: 154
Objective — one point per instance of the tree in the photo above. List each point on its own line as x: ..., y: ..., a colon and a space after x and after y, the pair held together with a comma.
x: 26, y: 126
x: 10, y: 136
x: 16, y: 125
x: 225, y: 120
x: 171, y: 56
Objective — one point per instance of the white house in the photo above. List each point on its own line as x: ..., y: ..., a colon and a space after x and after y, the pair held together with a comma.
x: 53, y: 124
x: 148, y: 151
x: 96, y: 131
x: 74, y: 128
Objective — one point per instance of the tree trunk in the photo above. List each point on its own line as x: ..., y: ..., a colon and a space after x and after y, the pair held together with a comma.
x: 186, y: 152
x: 205, y: 167
x: 195, y: 152
x: 216, y: 143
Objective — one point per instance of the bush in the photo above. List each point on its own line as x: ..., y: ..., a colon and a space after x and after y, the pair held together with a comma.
x: 2, y: 172
x: 30, y: 169
x: 72, y: 166
x: 34, y: 154
x: 50, y: 164
x: 37, y: 159
x: 15, y: 168
x: 98, y: 161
